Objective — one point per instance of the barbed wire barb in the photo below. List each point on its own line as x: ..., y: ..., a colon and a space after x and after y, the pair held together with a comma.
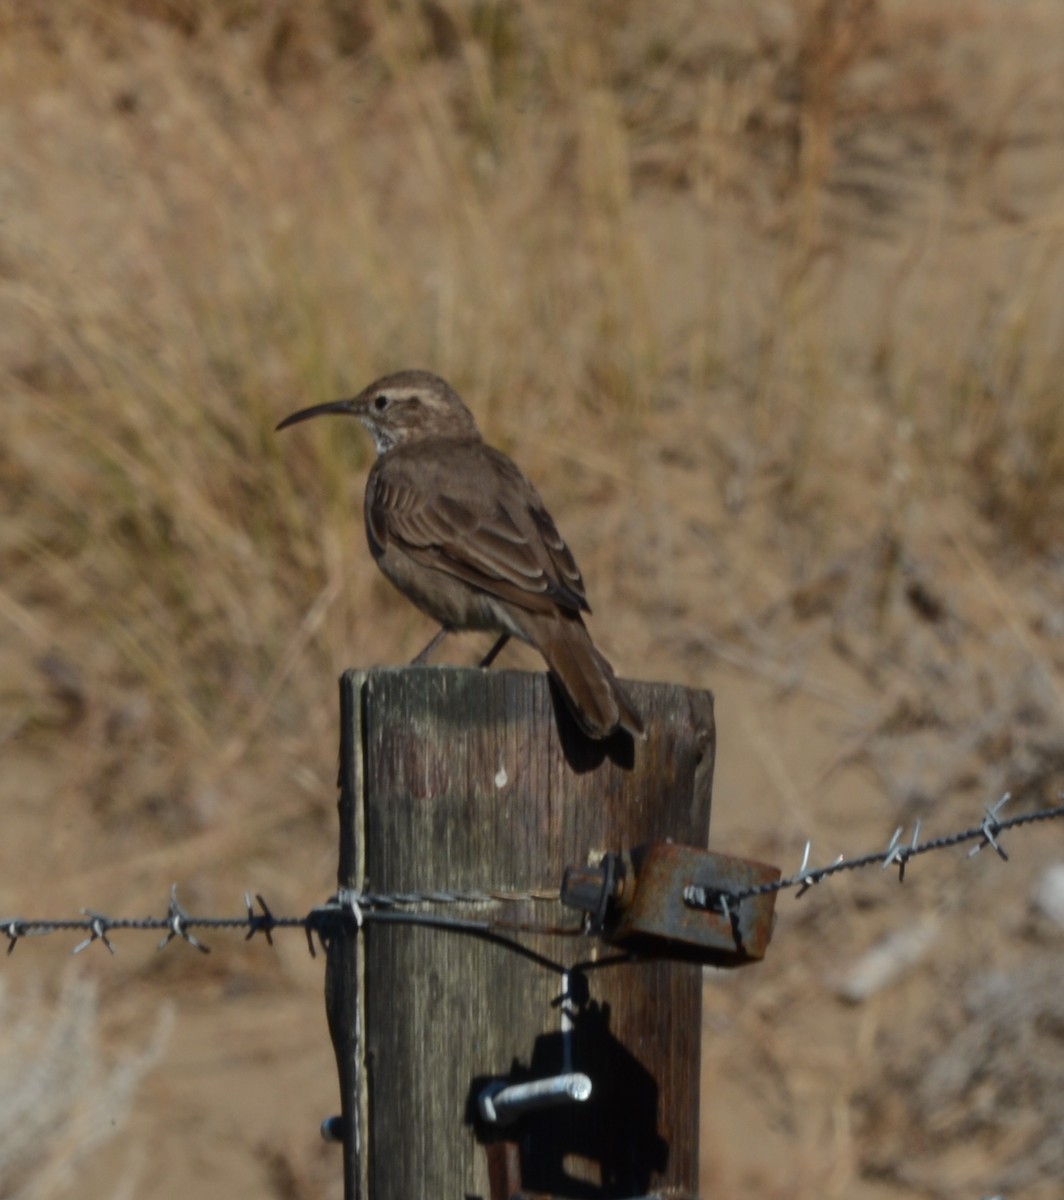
x: 807, y: 876
x: 97, y: 932
x: 14, y: 931
x: 178, y: 920
x: 899, y: 854
x: 803, y: 871
x: 990, y: 827
x: 260, y: 922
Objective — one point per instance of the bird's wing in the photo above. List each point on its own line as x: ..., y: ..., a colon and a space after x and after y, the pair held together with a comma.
x: 469, y: 512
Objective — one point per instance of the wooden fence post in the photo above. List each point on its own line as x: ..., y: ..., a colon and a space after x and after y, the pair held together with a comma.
x: 466, y: 780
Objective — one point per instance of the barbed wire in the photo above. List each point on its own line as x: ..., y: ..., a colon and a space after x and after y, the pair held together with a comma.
x: 321, y: 920
x: 325, y: 920
x: 897, y: 853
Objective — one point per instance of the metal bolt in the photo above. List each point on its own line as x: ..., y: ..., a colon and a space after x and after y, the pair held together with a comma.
x: 595, y: 889
x: 500, y: 1103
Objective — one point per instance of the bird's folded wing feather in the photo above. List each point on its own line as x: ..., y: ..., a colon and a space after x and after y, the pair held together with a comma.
x: 478, y: 519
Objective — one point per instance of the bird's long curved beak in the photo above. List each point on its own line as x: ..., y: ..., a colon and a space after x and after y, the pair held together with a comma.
x: 317, y: 410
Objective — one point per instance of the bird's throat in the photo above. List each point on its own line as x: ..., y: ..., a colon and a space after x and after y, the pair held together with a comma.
x: 384, y: 439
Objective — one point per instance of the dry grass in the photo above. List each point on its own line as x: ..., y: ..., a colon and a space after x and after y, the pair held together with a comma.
x: 243, y: 213
x: 752, y: 291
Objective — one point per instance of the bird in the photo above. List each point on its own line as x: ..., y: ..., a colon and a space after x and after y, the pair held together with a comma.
x: 457, y: 527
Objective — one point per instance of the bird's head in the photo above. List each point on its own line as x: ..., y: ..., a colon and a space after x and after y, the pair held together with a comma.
x: 405, y: 407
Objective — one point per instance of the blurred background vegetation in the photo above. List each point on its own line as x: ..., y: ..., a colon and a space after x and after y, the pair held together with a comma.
x: 767, y: 298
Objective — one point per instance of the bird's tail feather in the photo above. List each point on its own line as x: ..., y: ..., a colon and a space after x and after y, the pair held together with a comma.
x: 595, y: 698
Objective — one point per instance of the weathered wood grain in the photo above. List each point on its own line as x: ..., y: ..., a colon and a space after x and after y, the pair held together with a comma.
x: 458, y: 779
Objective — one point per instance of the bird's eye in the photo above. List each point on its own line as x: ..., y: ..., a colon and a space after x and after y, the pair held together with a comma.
x: 380, y: 402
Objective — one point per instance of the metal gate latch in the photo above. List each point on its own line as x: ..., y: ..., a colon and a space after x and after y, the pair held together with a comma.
x: 664, y: 900
x: 501, y: 1102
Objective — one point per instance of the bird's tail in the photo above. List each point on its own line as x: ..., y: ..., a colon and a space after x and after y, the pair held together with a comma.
x: 595, y: 698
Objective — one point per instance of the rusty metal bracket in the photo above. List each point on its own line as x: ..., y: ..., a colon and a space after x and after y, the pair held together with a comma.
x: 664, y: 900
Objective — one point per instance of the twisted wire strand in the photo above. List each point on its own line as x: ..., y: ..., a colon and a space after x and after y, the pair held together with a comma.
x: 409, y: 907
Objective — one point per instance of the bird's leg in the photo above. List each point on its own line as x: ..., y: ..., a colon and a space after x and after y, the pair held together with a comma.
x: 441, y: 633
x: 493, y: 653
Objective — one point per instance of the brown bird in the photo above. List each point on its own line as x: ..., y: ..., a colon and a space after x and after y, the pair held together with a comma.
x: 461, y: 532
